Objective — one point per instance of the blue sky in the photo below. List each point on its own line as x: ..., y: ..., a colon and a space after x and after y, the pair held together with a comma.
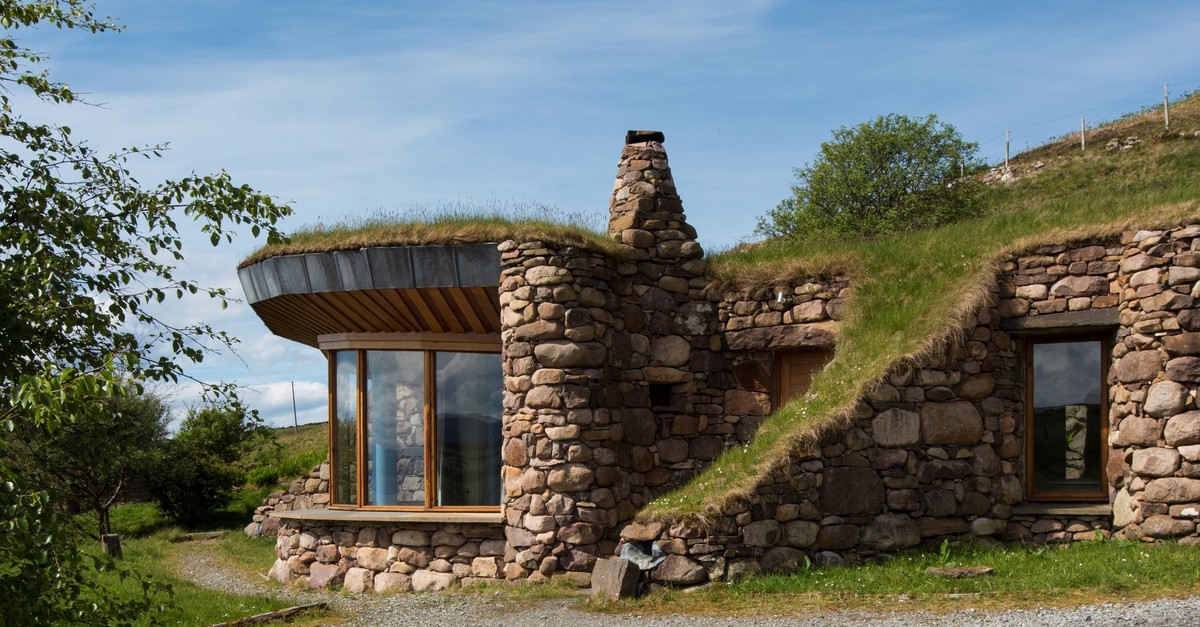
x: 347, y: 108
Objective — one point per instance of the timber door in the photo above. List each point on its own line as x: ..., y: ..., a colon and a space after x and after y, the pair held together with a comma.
x: 794, y: 372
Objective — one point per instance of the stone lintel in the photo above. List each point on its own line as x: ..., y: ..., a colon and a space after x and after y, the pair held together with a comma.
x: 817, y: 334
x: 1095, y: 319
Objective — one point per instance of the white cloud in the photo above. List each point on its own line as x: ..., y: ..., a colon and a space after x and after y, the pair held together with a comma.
x: 274, y: 402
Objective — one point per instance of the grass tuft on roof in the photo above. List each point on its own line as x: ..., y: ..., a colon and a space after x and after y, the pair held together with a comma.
x: 451, y: 225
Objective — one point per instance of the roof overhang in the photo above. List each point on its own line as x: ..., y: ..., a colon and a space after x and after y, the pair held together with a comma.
x: 386, y: 289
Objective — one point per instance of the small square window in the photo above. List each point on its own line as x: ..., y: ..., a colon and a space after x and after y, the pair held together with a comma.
x: 660, y: 395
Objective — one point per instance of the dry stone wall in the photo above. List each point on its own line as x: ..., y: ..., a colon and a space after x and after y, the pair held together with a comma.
x: 1155, y: 464
x: 308, y: 492
x: 364, y: 557
x: 757, y: 325
x: 938, y: 450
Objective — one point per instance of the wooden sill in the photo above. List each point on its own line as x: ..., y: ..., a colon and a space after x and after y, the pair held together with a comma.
x: 343, y: 515
x: 1063, y: 509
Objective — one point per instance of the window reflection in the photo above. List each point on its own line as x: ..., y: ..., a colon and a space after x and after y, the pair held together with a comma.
x: 1066, y: 423
x: 395, y: 428
x: 469, y: 405
x: 345, y: 466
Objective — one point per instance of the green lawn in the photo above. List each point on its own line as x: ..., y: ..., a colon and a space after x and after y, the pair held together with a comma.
x: 155, y: 559
x: 1084, y: 572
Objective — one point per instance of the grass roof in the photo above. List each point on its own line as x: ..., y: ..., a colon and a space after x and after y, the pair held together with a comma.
x: 451, y: 226
x: 914, y: 293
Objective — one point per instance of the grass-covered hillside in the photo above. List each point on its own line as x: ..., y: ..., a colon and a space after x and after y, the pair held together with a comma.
x: 914, y: 291
x: 288, y: 454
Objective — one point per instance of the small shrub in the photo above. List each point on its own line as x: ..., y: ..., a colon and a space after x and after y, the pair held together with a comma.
x: 198, y: 470
x: 189, y: 484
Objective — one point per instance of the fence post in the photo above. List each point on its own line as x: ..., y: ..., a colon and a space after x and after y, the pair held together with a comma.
x: 1006, y: 140
x: 1082, y: 134
x: 1166, y: 109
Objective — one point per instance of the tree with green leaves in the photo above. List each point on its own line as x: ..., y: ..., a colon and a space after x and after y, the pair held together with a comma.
x: 86, y: 251
x: 893, y: 173
x: 87, y: 464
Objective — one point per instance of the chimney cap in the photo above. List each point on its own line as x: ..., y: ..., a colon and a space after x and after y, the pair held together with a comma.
x: 637, y: 137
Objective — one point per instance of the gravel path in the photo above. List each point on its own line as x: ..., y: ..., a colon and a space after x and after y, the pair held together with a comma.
x: 459, y: 610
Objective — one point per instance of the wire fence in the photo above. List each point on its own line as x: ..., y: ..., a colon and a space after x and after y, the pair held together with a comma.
x: 1001, y: 147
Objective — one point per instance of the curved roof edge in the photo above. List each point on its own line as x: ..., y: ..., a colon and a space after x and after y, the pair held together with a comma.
x: 383, y: 267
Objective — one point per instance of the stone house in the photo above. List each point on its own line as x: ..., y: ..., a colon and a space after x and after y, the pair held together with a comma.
x: 504, y: 409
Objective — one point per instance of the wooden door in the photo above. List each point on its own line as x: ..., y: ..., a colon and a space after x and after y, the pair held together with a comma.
x: 794, y: 371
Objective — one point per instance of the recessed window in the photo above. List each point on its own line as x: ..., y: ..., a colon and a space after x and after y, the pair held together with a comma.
x: 660, y: 395
x: 1066, y: 420
x: 417, y: 429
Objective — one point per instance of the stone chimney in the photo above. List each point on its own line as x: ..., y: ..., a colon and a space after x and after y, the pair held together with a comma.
x: 646, y: 212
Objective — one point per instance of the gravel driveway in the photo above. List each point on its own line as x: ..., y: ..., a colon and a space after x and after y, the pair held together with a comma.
x: 460, y: 609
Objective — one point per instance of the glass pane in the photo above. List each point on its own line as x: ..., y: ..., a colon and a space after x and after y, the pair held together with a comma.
x: 395, y: 398
x: 469, y: 413
x: 345, y: 464
x: 1067, y: 399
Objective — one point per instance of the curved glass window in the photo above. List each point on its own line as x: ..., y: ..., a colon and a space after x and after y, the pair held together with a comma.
x: 427, y: 427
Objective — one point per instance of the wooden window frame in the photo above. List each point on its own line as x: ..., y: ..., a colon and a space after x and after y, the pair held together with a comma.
x: 1101, y: 494
x: 416, y: 342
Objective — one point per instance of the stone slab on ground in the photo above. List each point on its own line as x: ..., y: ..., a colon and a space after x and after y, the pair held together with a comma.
x: 614, y: 579
x: 959, y: 572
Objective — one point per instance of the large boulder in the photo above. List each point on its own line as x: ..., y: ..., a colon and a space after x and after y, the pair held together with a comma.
x: 323, y: 575
x: 679, y: 570
x: 801, y: 534
x: 567, y: 354
x: 1183, y: 430
x: 953, y: 423
x: 1165, y: 398
x: 614, y: 579
x: 848, y: 490
x: 1138, y: 366
x: 359, y: 580
x: 1155, y: 462
x: 896, y: 427
x: 374, y: 559
x: 889, y: 533
x: 781, y: 559
x: 1173, y: 490
x: 762, y: 533
x: 386, y: 582
x: 431, y: 581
